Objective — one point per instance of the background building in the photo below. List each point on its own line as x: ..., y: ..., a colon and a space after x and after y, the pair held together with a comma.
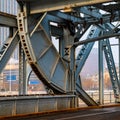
x: 9, y: 78
x: 7, y: 6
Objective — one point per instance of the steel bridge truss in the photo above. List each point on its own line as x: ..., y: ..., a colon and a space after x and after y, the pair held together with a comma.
x: 39, y: 20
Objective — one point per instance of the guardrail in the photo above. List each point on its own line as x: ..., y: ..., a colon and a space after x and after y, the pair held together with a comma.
x: 17, y: 105
x: 108, y: 97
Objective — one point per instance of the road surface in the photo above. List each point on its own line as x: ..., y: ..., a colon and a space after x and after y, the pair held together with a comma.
x: 112, y: 113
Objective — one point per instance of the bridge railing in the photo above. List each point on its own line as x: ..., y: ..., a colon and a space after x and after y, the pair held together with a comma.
x: 108, y: 97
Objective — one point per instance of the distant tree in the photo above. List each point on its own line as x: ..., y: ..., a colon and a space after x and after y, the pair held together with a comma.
x: 107, y: 81
x: 87, y: 84
x: 90, y: 84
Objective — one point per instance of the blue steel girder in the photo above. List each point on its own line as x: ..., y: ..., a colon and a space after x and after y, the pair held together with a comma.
x: 105, y: 18
x: 107, y: 7
x: 35, y: 19
x: 7, y: 49
x: 112, y: 69
x: 48, y: 6
x: 110, y: 63
x: 37, y: 46
x: 41, y: 53
x: 108, y: 34
x: 68, y: 17
x: 91, y: 12
x: 85, y: 50
x: 81, y: 58
x: 96, y: 18
x: 84, y: 96
x: 113, y: 28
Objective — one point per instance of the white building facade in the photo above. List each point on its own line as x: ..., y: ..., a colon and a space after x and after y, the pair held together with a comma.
x: 7, y: 6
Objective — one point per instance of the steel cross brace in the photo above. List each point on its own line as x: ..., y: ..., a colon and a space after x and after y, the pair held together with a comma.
x: 38, y: 6
x: 111, y: 65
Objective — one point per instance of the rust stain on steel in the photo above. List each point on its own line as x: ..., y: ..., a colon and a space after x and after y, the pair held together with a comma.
x: 22, y: 116
x: 37, y: 6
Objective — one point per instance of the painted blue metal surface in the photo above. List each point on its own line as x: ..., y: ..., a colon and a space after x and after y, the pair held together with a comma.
x: 57, y: 70
x: 85, y: 50
x: 43, y: 57
x: 7, y: 49
x: 81, y: 58
x: 110, y: 62
x: 112, y: 69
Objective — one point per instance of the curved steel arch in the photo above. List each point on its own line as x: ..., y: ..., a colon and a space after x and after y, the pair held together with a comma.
x: 42, y: 55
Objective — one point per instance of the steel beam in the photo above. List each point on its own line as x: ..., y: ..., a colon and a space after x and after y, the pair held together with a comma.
x: 7, y: 20
x: 119, y: 58
x: 8, y: 49
x: 67, y: 17
x: 53, y: 75
x: 101, y: 67
x: 85, y: 97
x: 97, y: 38
x: 17, y: 105
x: 38, y: 6
x: 85, y: 50
x: 82, y: 56
x: 94, y: 19
x: 112, y: 69
x: 89, y: 12
x: 22, y: 72
x: 115, y: 7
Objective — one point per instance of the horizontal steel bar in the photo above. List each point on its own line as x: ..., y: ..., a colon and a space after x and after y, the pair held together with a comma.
x: 35, y: 97
x: 8, y: 20
x: 38, y: 6
x: 12, y: 106
x: 12, y: 42
x: 114, y: 44
x: 96, y: 39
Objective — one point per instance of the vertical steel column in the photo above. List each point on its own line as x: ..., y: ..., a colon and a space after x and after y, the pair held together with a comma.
x: 72, y: 69
x: 25, y: 74
x: 61, y: 46
x: 28, y: 72
x: 112, y: 69
x: 101, y: 81
x: 119, y: 61
x: 11, y: 31
x: 10, y: 35
x: 22, y: 64
x: 22, y: 72
x: 69, y: 55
